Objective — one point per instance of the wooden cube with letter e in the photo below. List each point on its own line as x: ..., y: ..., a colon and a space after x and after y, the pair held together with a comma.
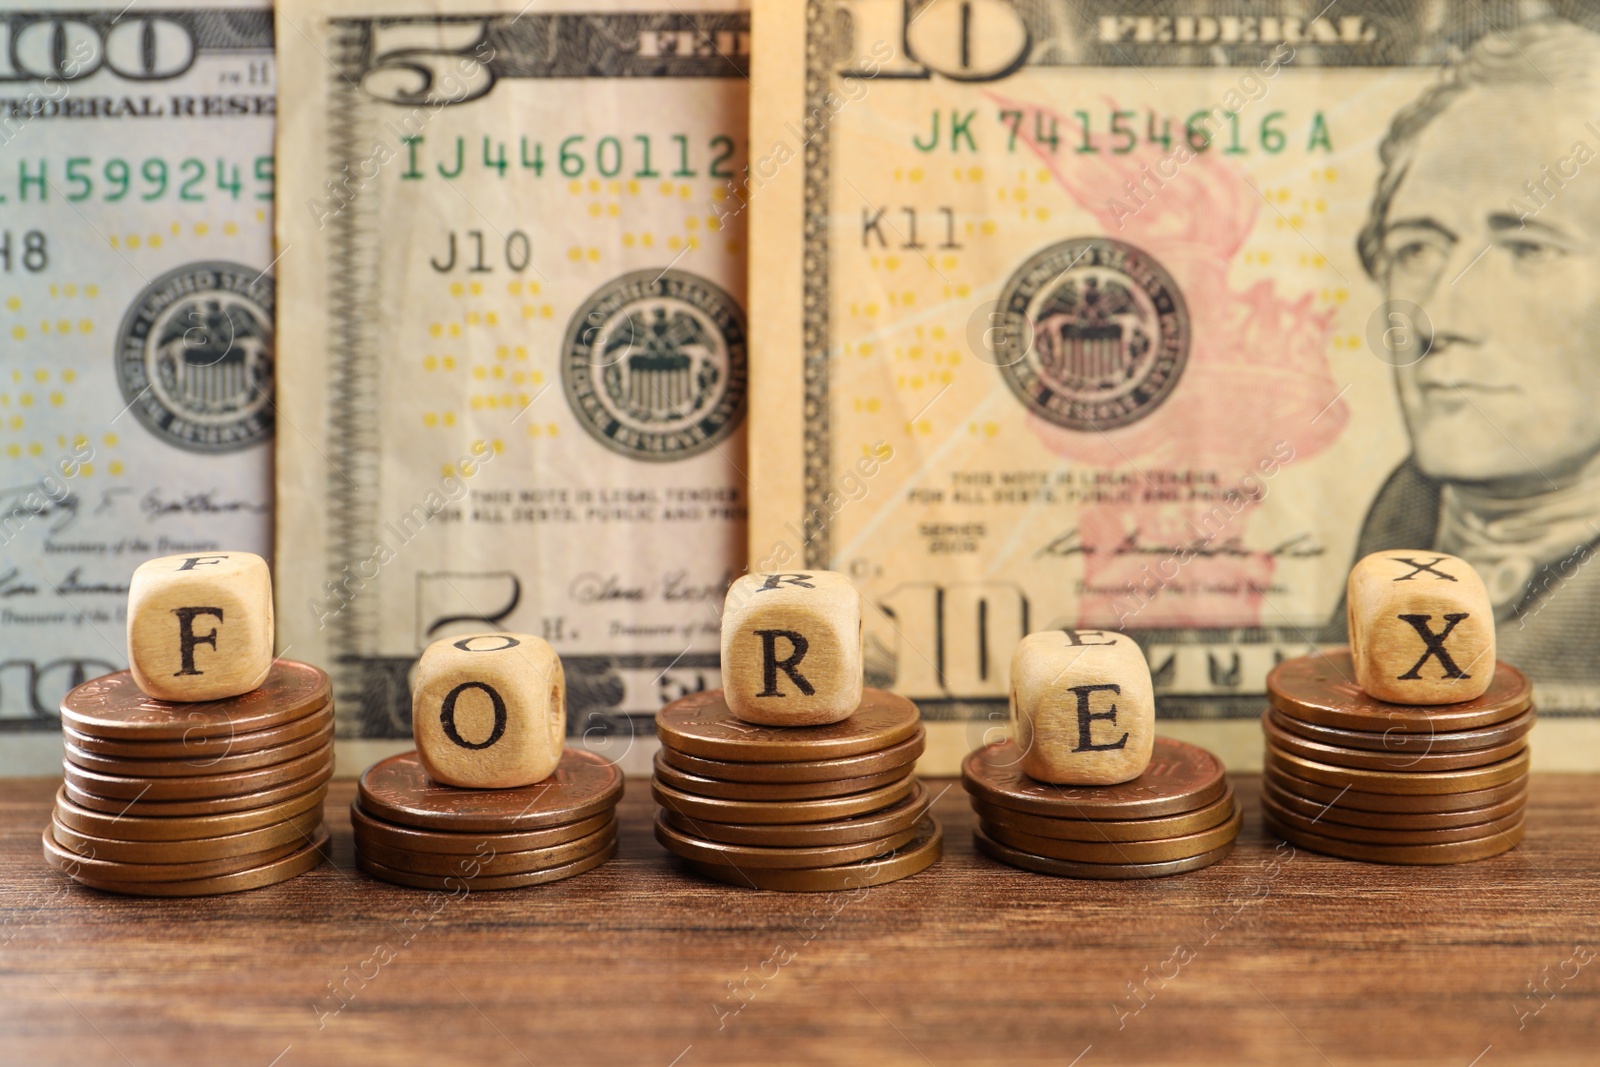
x: 791, y: 648
x: 200, y: 626
x: 489, y: 711
x: 1421, y: 628
x: 1084, y: 707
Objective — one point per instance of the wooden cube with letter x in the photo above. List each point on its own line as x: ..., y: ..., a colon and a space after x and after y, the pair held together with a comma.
x: 200, y: 626
x: 791, y: 648
x: 1083, y: 706
x: 1421, y: 628
x: 489, y: 711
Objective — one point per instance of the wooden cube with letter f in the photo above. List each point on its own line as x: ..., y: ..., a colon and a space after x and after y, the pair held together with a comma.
x: 200, y: 626
x: 1083, y: 706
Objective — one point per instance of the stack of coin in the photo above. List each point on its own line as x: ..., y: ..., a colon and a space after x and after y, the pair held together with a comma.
x: 795, y: 808
x: 1179, y: 815
x: 177, y: 800
x: 412, y: 831
x: 1352, y: 776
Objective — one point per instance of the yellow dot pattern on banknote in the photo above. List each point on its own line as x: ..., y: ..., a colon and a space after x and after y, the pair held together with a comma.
x: 66, y: 311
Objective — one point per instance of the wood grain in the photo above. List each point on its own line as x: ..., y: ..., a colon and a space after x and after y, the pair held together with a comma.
x: 1287, y: 959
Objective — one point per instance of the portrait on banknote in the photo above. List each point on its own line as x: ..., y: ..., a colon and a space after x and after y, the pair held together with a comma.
x: 1480, y: 233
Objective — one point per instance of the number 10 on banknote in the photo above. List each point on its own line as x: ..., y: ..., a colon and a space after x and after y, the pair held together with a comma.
x: 1091, y: 315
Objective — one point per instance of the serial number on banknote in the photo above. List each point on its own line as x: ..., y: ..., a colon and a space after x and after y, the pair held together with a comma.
x: 1115, y: 132
x: 191, y: 179
x: 578, y: 155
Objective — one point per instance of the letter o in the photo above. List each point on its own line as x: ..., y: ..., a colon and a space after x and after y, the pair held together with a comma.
x: 447, y: 715
x: 510, y: 642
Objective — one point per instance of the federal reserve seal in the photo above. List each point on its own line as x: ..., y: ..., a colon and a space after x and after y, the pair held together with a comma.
x: 1091, y: 334
x: 194, y: 357
x: 654, y: 365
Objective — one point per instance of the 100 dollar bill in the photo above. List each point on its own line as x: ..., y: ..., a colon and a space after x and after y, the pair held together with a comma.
x: 514, y: 347
x: 1091, y: 314
x: 136, y: 323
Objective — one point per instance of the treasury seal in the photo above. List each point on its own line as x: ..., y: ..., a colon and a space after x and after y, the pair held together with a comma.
x: 194, y: 357
x: 654, y: 365
x: 1091, y: 334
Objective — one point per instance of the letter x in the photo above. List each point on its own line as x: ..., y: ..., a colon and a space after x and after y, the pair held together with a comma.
x: 1435, y: 643
x: 1422, y: 568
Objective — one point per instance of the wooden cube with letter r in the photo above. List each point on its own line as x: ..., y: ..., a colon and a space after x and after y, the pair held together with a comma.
x: 200, y: 626
x: 791, y: 648
x: 1083, y: 706
x: 1421, y: 627
x: 489, y: 711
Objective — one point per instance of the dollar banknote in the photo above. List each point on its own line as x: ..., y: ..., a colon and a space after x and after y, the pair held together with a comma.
x: 1154, y: 317
x: 514, y: 344
x: 136, y: 322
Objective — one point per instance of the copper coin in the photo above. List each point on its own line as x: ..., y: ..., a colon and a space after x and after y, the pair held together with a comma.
x: 1363, y: 759
x: 78, y: 865
x: 200, y: 786
x: 399, y: 790
x: 489, y: 861
x: 1407, y: 783
x: 1364, y: 835
x: 1397, y: 743
x: 460, y: 843
x: 210, y: 765
x: 1213, y: 814
x: 1129, y: 852
x: 857, y: 828
x: 454, y: 883
x: 179, y: 827
x: 1322, y: 689
x: 781, y: 811
x: 1029, y: 861
x: 162, y: 809
x: 1180, y: 778
x: 1397, y: 803
x: 715, y: 787
x: 918, y: 854
x: 1452, y: 852
x: 191, y: 851
x: 898, y: 757
x: 271, y: 873
x: 1381, y: 820
x: 202, y: 748
x: 701, y: 725
x: 112, y: 706
x: 772, y: 857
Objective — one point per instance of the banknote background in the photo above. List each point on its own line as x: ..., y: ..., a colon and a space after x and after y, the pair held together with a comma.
x: 432, y: 453
x: 136, y: 318
x: 943, y: 166
x: 482, y: 217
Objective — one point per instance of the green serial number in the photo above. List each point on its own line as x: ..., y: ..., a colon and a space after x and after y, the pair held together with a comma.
x: 1118, y: 133
x: 638, y: 156
x: 112, y: 180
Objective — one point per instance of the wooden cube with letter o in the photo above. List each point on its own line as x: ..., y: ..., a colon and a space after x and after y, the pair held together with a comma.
x: 1083, y: 706
x: 489, y: 711
x: 200, y: 626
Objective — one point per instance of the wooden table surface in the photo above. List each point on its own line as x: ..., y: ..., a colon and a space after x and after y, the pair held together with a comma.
x: 1272, y: 956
